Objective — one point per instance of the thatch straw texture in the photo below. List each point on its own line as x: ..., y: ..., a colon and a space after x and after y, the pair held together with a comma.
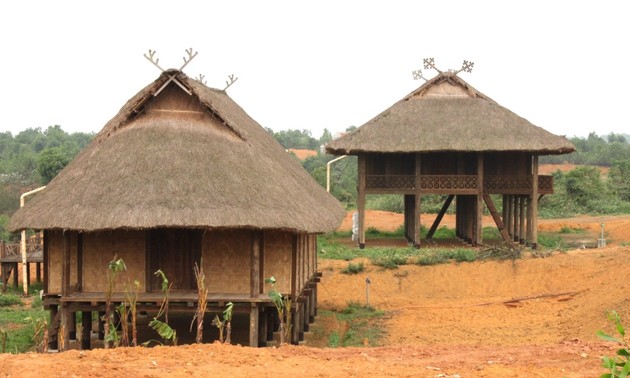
x: 182, y: 161
x: 447, y: 114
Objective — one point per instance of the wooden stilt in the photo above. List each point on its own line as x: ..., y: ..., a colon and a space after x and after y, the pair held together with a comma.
x: 253, y: 325
x: 72, y: 326
x: 86, y: 330
x: 295, y: 325
x: 53, y: 327
x: 534, y: 200
x: 361, y: 200
x: 528, y: 238
x: 521, y: 222
x: 101, y: 325
x: 38, y: 272
x: 517, y: 218
x: 262, y: 326
x: 478, y: 227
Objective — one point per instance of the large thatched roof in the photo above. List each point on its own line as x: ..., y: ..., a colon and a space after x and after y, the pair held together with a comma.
x: 180, y: 160
x: 447, y: 114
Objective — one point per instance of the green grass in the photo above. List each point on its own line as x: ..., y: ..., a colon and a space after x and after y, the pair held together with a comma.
x: 353, y: 268
x: 14, y: 313
x: 363, y: 326
x: 552, y: 241
x: 570, y: 230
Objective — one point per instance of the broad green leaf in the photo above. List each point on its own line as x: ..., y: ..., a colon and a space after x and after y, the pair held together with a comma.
x: 623, y: 352
x: 607, y: 337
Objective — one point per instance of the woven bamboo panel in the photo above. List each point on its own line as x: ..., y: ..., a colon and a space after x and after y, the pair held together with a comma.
x: 278, y: 246
x: 226, y: 259
x: 99, y: 248
x: 55, y: 249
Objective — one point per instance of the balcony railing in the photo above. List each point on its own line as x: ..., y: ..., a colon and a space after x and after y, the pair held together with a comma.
x: 458, y: 184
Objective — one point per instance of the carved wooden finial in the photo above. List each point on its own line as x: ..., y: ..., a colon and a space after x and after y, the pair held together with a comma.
x: 429, y: 63
x: 231, y: 80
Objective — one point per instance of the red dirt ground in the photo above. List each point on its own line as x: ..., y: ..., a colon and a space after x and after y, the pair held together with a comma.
x: 534, y: 317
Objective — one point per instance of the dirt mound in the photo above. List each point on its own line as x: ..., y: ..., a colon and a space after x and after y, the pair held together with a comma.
x: 547, y: 169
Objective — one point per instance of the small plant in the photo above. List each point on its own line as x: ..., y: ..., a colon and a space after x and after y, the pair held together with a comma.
x: 113, y: 268
x: 390, y: 261
x: 163, y: 329
x: 282, y: 304
x: 9, y: 300
x: 40, y: 333
x: 227, y: 320
x: 3, y: 340
x: 618, y: 366
x: 202, y: 298
x: 353, y: 268
x: 132, y: 293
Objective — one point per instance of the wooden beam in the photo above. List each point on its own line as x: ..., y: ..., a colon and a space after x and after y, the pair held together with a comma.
x: 497, y: 220
x: 253, y: 325
x: 534, y: 199
x: 86, y: 329
x: 521, y: 222
x: 478, y: 227
x: 361, y: 199
x: 254, y: 282
x: 440, y: 215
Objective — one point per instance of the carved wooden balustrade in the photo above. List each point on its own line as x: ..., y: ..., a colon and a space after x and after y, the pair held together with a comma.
x: 457, y: 184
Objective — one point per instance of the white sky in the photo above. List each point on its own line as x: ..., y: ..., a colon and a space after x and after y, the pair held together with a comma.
x: 316, y: 64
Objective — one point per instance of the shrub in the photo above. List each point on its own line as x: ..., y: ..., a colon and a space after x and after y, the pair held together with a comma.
x: 353, y: 268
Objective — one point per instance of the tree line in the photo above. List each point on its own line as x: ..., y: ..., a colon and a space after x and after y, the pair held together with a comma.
x: 34, y: 156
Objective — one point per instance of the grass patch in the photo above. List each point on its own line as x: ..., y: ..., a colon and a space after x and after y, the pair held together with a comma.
x: 571, y: 230
x: 552, y: 241
x: 390, y: 259
x: 9, y: 299
x: 19, y: 332
x: 353, y: 268
x: 363, y: 326
x: 440, y: 256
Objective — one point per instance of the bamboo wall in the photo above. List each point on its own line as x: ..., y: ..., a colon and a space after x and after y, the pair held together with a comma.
x: 277, y: 261
x: 226, y: 261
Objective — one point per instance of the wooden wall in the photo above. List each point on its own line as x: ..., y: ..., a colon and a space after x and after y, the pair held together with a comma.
x: 99, y: 248
x: 226, y: 261
x: 278, y: 247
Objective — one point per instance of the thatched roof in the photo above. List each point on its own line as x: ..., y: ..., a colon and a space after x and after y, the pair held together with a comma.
x: 179, y: 160
x: 447, y: 114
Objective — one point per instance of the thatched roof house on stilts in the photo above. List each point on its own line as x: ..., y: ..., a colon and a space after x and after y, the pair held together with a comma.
x: 447, y: 138
x: 182, y: 175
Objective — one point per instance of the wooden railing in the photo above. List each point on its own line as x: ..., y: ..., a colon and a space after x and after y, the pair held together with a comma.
x: 11, y: 252
x: 458, y: 184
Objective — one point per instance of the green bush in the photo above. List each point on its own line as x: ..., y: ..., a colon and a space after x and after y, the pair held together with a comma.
x: 353, y: 268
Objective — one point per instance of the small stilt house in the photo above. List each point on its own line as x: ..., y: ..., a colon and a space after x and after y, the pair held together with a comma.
x: 449, y: 139
x: 182, y: 176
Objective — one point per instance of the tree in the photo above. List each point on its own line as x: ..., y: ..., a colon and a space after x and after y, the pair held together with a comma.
x: 50, y: 162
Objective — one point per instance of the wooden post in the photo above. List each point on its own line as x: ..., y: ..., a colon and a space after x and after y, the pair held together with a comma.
x: 361, y: 199
x: 509, y: 220
x: 253, y: 325
x: 516, y: 218
x: 417, y: 202
x: 262, y: 326
x: 478, y: 231
x: 72, y: 326
x: 295, y: 326
x: 521, y: 222
x: 64, y: 336
x: 529, y: 221
x: 534, y: 200
x: 86, y: 329
x: 46, y: 257
x: 254, y: 285
x: 38, y: 272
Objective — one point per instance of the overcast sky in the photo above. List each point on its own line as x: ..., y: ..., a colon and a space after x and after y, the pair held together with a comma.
x: 316, y: 64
